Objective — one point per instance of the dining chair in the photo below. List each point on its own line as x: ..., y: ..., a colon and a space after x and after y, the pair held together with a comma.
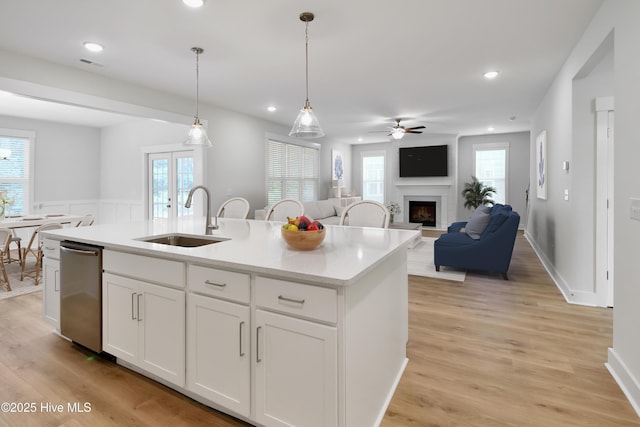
x: 366, y: 213
x: 236, y: 207
x: 18, y: 242
x: 5, y: 241
x: 35, y: 248
x: 279, y: 211
x: 86, y: 221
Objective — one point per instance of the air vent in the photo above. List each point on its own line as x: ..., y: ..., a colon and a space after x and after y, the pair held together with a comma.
x: 90, y: 62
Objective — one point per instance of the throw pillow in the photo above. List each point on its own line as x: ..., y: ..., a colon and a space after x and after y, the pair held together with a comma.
x: 478, y: 222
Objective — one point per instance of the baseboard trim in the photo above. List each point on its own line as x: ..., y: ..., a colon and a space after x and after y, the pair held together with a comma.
x: 570, y: 296
x: 624, y: 378
x: 387, y: 402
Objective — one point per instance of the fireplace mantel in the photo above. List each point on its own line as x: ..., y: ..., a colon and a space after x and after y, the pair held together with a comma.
x: 418, y: 189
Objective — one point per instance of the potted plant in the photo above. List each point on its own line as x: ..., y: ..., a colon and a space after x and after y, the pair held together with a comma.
x: 476, y: 194
x: 393, y: 209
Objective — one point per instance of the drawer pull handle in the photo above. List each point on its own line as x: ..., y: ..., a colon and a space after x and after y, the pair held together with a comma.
x: 133, y: 313
x: 241, y: 352
x: 219, y: 285
x: 296, y: 301
x: 258, y: 359
x: 47, y: 248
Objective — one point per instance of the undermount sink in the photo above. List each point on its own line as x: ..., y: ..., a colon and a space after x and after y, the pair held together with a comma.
x: 183, y: 240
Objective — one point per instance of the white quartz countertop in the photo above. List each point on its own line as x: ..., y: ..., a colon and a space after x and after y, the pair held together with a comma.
x: 255, y: 246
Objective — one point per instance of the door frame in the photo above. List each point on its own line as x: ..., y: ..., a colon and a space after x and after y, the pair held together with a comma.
x: 604, y: 206
x: 199, y: 170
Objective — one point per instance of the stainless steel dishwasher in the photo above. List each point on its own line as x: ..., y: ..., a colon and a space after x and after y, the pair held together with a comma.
x: 81, y: 294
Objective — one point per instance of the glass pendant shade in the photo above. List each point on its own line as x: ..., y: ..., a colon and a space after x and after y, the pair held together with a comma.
x: 306, y: 124
x: 198, y: 135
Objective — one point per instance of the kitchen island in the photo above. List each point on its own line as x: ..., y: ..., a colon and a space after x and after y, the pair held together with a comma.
x: 248, y: 326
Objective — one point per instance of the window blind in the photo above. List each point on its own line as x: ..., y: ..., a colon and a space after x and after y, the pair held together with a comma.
x: 14, y: 173
x: 292, y: 172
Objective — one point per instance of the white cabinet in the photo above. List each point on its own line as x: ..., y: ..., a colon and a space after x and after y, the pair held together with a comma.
x: 218, y: 337
x: 144, y: 324
x: 219, y: 355
x: 296, y: 360
x: 51, y: 280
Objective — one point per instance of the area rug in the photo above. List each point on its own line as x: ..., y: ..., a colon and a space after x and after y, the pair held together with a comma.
x: 18, y: 287
x: 420, y: 263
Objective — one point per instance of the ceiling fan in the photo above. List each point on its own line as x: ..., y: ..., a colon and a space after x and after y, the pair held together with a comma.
x: 398, y: 131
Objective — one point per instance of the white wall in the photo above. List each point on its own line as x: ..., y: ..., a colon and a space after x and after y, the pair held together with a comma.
x: 555, y: 226
x: 518, y: 172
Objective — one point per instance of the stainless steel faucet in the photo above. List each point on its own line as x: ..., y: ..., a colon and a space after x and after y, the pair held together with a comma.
x: 187, y: 205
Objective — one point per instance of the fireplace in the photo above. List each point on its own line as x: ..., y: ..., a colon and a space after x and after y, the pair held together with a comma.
x: 422, y: 212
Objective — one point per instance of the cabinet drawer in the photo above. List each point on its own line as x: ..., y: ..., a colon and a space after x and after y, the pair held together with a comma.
x: 303, y: 300
x: 146, y: 268
x: 219, y: 283
x: 51, y: 248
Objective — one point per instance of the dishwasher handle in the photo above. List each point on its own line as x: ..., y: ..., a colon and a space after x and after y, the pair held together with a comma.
x: 80, y: 251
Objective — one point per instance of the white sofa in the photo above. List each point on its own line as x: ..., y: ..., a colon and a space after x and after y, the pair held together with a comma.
x: 326, y: 211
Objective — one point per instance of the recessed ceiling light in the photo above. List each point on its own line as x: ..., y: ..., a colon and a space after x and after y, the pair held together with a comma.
x: 491, y: 74
x: 491, y: 128
x: 360, y: 139
x: 193, y: 3
x: 271, y: 108
x: 93, y: 46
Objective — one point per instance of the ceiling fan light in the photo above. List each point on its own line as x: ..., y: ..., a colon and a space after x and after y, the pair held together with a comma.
x: 306, y: 124
x: 397, y: 133
x: 198, y: 135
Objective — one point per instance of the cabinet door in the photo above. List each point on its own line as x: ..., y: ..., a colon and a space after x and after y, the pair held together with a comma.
x: 218, y: 353
x: 162, y: 335
x: 51, y: 294
x: 296, y: 372
x: 120, y: 308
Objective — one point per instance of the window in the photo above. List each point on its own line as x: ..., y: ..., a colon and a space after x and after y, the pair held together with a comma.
x: 491, y: 166
x: 373, y: 175
x: 292, y: 170
x: 15, y: 178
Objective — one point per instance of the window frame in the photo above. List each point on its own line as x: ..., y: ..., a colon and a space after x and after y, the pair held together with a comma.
x: 495, y: 146
x: 30, y: 169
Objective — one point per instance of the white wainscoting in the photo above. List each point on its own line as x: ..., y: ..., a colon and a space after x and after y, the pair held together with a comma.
x: 121, y: 211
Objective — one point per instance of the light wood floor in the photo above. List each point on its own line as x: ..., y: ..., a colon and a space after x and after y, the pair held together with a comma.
x: 485, y: 352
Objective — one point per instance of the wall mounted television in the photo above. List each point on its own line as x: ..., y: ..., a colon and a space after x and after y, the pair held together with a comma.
x: 431, y: 160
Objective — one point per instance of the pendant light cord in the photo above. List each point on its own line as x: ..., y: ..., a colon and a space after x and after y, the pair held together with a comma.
x: 197, y: 80
x: 306, y: 43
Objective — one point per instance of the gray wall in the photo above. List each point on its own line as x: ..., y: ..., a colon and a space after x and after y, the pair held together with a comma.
x: 66, y: 159
x: 556, y: 227
x: 392, y: 178
x: 517, y: 174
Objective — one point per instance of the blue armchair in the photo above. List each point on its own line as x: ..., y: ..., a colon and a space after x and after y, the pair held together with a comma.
x: 491, y: 252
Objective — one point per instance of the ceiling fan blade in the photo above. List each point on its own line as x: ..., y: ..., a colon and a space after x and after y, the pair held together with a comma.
x: 413, y: 131
x: 416, y: 127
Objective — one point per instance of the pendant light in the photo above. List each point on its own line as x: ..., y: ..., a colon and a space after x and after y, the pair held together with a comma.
x: 198, y: 134
x: 306, y: 124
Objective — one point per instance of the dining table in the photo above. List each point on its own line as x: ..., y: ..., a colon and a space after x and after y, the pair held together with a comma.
x: 36, y: 220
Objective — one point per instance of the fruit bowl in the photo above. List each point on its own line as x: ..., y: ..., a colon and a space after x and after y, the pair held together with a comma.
x: 303, y: 240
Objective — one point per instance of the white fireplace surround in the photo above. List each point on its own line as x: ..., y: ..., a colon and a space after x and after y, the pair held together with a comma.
x: 423, y: 192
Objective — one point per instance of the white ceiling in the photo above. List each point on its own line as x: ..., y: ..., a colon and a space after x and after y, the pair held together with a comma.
x: 420, y: 60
